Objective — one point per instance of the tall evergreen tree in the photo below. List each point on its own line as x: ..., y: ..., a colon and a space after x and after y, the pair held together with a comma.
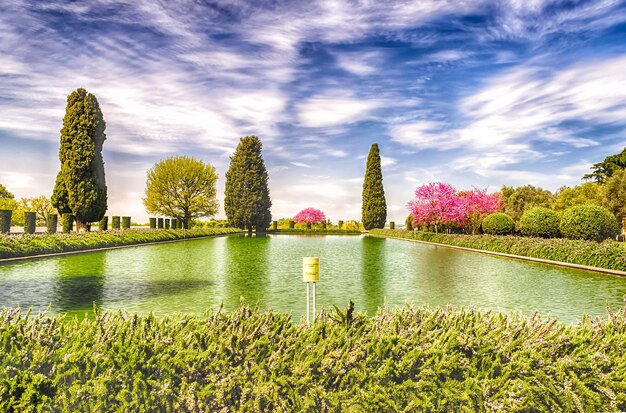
x: 374, y: 209
x: 80, y: 187
x: 247, y: 197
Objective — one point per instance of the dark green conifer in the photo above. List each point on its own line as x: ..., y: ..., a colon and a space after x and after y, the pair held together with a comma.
x: 247, y: 197
x: 80, y: 187
x: 374, y: 208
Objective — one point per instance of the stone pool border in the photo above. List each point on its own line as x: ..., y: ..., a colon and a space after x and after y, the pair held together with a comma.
x: 518, y: 257
x: 139, y: 244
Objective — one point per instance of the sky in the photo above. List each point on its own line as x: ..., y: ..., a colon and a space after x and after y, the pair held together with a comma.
x: 478, y: 94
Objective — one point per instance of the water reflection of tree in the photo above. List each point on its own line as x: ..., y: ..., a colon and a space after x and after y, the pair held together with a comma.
x: 246, y: 270
x: 373, y: 272
x: 79, y: 283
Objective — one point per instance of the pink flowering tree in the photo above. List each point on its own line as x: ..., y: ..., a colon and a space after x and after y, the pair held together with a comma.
x: 476, y: 205
x: 435, y: 204
x: 310, y: 216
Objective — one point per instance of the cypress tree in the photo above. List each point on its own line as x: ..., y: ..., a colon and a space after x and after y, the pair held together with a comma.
x: 374, y: 209
x: 80, y: 187
x: 247, y: 197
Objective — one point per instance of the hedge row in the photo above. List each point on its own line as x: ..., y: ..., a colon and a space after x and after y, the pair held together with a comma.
x: 608, y: 254
x: 25, y: 245
x: 320, y: 231
x: 437, y: 360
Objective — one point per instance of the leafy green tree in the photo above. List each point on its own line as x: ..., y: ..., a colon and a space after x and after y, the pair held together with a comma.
x: 247, y: 196
x: 374, y: 207
x: 588, y: 193
x: 181, y: 187
x: 41, y: 206
x: 614, y: 193
x: 517, y: 200
x: 605, y: 169
x: 80, y: 186
x: 7, y: 199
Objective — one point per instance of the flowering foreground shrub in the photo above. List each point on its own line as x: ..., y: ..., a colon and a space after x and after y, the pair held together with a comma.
x: 437, y: 360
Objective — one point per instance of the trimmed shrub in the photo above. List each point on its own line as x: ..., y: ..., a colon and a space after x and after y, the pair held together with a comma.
x: 589, y: 222
x: 103, y: 224
x: 67, y: 221
x: 160, y: 223
x: 153, y: 223
x: 292, y: 224
x: 324, y: 225
x: 5, y: 220
x: 408, y: 223
x: 29, y: 222
x: 308, y: 225
x: 498, y: 223
x: 166, y: 222
x: 51, y: 223
x: 540, y: 222
x: 339, y: 224
x: 115, y: 222
x: 392, y: 225
x: 174, y: 223
x: 274, y: 225
x: 125, y: 222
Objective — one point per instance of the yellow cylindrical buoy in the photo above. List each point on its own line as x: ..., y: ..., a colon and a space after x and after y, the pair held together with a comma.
x: 310, y: 269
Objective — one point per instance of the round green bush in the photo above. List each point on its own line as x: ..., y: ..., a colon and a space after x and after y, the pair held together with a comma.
x: 589, y: 222
x: 498, y: 224
x: 540, y: 222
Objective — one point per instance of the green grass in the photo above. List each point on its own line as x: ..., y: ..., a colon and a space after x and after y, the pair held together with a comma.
x: 319, y: 231
x: 608, y: 254
x: 13, y: 246
x: 436, y: 360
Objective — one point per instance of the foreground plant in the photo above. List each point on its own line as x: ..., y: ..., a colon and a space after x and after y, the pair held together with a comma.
x: 399, y: 360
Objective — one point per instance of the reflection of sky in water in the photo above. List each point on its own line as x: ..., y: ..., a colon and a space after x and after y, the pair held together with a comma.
x: 195, y: 275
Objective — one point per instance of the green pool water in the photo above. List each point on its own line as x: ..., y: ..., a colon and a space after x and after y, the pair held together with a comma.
x: 194, y: 275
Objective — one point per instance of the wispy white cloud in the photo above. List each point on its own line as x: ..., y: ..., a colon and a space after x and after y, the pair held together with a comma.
x: 334, y: 108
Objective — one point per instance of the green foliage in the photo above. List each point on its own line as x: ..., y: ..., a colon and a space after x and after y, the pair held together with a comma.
x: 13, y: 246
x: 160, y: 223
x: 103, y: 224
x: 589, y: 222
x: 292, y: 224
x: 153, y: 223
x: 498, y: 223
x: 247, y: 200
x: 608, y: 254
x: 605, y: 169
x: 181, y: 187
x: 166, y: 223
x: 115, y: 222
x: 125, y: 222
x: 7, y: 200
x: 67, y: 223
x: 80, y: 186
x: 431, y: 360
x: 51, y: 225
x: 392, y: 225
x: 374, y: 207
x: 540, y: 222
x: 29, y: 222
x: 517, y: 200
x: 5, y: 220
x: 339, y: 224
x: 587, y: 193
x: 42, y: 206
x: 408, y: 223
x: 614, y: 193
x: 174, y: 222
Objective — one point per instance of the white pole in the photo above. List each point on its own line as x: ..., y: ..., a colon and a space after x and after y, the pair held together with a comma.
x: 314, y: 312
x: 308, y: 321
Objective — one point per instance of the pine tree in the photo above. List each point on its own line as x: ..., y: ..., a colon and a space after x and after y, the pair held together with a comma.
x: 374, y: 209
x: 80, y: 186
x: 247, y: 197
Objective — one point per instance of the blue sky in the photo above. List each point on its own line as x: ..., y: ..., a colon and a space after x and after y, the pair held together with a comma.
x: 475, y: 93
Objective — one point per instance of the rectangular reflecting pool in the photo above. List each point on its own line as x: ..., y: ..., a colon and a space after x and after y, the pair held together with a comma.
x: 194, y: 275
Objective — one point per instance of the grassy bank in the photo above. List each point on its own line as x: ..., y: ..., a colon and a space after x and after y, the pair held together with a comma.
x: 13, y: 246
x: 608, y: 254
x: 402, y: 360
x: 314, y: 231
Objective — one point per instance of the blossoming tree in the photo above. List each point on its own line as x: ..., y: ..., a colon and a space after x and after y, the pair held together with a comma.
x: 436, y: 204
x: 310, y: 216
